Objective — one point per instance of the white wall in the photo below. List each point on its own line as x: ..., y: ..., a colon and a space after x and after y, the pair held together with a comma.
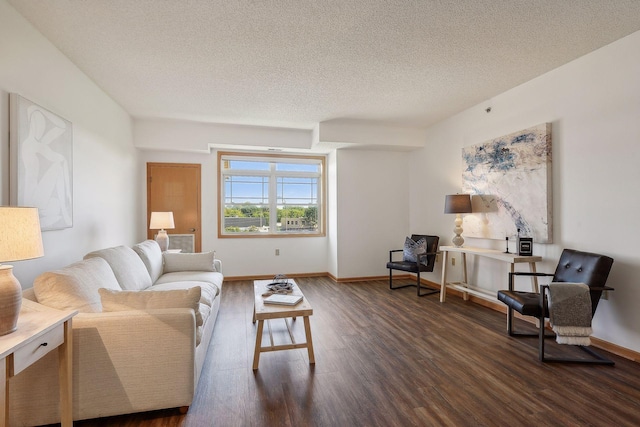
x: 332, y: 214
x: 372, y: 210
x: 367, y: 216
x: 240, y: 257
x: 158, y: 134
x: 593, y: 104
x: 104, y: 160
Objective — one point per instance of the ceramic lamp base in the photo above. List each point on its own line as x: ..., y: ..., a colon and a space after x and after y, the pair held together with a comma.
x: 458, y: 240
x: 163, y: 240
x: 10, y: 300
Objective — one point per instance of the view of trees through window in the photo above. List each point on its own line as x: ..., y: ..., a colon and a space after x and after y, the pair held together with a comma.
x: 264, y: 195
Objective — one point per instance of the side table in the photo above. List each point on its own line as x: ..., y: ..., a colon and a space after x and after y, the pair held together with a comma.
x: 40, y: 330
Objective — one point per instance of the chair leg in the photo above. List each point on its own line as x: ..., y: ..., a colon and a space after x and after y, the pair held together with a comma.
x: 510, y: 321
x: 418, y: 285
x: 513, y: 333
x: 597, y: 359
x: 541, y: 338
x: 391, y: 282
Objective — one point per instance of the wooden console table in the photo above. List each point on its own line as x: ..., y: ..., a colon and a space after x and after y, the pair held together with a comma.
x: 464, y: 286
x: 39, y: 332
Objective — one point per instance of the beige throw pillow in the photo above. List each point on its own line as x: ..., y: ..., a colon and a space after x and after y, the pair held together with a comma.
x: 149, y: 300
x: 202, y: 261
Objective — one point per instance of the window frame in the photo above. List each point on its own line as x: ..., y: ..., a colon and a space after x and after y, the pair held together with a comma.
x: 272, y: 200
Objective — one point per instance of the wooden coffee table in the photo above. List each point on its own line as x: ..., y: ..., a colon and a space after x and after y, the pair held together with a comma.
x: 262, y: 312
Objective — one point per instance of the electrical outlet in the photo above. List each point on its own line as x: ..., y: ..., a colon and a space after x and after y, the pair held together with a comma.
x: 605, y: 295
x: 277, y: 252
x: 453, y: 261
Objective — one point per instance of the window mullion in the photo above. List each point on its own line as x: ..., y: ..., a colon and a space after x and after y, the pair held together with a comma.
x: 273, y: 199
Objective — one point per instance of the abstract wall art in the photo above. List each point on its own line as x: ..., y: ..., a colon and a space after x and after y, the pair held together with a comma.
x: 509, y: 179
x: 41, y: 162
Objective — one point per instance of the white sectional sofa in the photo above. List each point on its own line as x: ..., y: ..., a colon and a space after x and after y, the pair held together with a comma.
x: 139, y: 341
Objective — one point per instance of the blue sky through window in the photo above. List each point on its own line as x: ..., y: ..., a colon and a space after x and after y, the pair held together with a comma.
x: 301, y: 191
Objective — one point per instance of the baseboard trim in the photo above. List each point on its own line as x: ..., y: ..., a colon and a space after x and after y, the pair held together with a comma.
x: 493, y: 305
x: 270, y: 276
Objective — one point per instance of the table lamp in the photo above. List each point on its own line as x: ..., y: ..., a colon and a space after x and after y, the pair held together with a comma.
x: 160, y: 221
x: 457, y: 204
x: 20, y: 239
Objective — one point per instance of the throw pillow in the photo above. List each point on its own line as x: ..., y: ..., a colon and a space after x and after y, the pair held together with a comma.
x: 149, y: 300
x: 412, y: 249
x: 202, y: 261
x: 76, y: 287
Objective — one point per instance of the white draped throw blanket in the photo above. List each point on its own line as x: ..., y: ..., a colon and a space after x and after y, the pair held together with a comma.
x: 570, y: 312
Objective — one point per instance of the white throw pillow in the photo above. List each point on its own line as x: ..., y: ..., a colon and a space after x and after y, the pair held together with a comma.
x: 136, y: 300
x: 127, y: 266
x: 76, y: 286
x: 202, y: 261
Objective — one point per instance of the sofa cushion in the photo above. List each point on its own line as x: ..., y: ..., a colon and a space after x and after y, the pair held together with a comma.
x: 151, y: 255
x: 136, y: 300
x: 202, y: 261
x: 76, y: 287
x: 209, y: 291
x: 126, y: 265
x: 191, y: 276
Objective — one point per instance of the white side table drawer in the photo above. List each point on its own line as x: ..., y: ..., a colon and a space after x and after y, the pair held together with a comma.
x: 27, y: 355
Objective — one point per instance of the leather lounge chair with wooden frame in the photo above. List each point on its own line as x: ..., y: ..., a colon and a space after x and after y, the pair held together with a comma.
x: 573, y: 267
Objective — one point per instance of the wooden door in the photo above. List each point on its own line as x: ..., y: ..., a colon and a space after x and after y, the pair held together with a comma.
x: 175, y: 187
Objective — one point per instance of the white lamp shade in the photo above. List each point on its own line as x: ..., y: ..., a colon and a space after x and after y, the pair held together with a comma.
x: 161, y: 220
x: 20, y: 236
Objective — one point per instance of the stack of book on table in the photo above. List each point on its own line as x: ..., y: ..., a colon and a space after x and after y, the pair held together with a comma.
x: 283, y: 299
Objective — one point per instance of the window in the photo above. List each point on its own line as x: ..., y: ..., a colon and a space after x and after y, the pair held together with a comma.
x: 270, y: 195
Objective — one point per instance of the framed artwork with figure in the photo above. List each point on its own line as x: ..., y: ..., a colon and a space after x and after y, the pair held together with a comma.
x: 41, y: 162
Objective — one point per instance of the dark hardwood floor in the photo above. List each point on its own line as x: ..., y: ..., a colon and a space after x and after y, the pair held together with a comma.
x: 389, y: 358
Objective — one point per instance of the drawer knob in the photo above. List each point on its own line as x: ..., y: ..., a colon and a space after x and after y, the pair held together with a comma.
x: 44, y: 344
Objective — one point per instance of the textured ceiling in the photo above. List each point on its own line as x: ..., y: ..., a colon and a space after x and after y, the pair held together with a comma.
x: 300, y: 62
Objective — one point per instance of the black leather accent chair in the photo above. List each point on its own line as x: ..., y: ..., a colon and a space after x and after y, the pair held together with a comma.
x: 425, y: 262
x: 573, y: 267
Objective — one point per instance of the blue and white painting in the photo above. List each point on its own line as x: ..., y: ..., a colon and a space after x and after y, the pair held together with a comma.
x: 509, y: 179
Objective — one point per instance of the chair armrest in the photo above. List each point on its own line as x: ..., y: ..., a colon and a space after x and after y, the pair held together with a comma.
x: 526, y: 274
x: 391, y: 253
x: 530, y: 273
